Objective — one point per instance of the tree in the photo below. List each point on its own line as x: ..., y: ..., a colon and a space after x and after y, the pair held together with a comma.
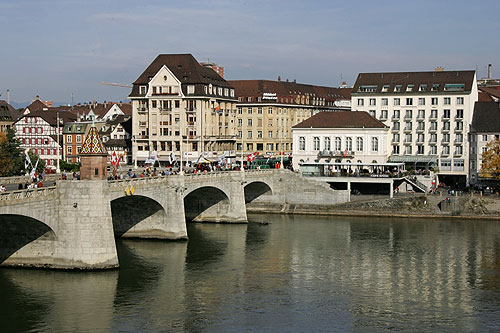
x: 490, y: 167
x: 11, y: 155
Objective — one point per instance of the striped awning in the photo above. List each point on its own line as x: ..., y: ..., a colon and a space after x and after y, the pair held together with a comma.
x: 412, y: 159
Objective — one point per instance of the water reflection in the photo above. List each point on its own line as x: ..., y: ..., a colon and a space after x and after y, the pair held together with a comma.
x: 298, y: 273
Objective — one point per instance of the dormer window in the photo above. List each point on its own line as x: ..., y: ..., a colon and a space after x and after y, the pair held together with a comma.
x: 397, y: 88
x: 409, y: 88
x: 367, y: 88
x: 423, y: 87
x: 385, y: 88
x: 435, y: 87
x: 142, y: 90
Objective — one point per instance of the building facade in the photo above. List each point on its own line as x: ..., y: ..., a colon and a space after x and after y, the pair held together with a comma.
x: 181, y: 107
x: 73, y: 135
x: 38, y: 131
x: 267, y: 110
x: 428, y: 113
x: 485, y: 128
x: 340, y: 137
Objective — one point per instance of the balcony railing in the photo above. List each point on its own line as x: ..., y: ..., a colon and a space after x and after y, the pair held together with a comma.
x: 190, y: 109
x: 335, y: 153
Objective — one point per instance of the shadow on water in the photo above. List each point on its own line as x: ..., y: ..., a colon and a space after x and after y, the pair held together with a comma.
x: 18, y: 231
x: 202, y: 249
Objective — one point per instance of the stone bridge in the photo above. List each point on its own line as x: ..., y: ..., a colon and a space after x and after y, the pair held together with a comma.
x: 74, y: 224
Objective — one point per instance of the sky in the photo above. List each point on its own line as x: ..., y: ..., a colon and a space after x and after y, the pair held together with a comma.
x: 62, y: 48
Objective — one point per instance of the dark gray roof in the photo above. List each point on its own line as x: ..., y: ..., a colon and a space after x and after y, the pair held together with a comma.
x: 341, y: 119
x: 403, y: 79
x: 185, y: 68
x: 486, y: 118
x: 7, y: 112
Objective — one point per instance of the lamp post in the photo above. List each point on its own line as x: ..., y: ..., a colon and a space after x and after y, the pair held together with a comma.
x: 242, y: 154
x: 281, y: 145
x: 181, y: 172
x: 58, y: 147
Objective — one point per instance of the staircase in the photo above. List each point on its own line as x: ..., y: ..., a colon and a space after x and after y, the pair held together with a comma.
x: 417, y: 186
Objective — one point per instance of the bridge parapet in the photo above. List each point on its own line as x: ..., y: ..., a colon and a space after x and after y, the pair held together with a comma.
x: 12, y: 197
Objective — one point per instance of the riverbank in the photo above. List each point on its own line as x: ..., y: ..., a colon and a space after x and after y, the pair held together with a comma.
x: 415, y: 206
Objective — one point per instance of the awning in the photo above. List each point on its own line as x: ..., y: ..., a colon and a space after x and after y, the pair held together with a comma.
x: 413, y: 159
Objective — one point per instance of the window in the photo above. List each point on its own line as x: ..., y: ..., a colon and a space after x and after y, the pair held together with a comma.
x: 408, y: 138
x: 459, y: 125
x: 249, y: 110
x: 421, y: 101
x: 302, y: 143
x: 408, y: 150
x: 359, y: 143
x: 70, y: 150
x: 348, y: 144
x: 372, y: 113
x: 420, y: 150
x: 421, y: 114
x: 458, y: 164
x: 68, y: 138
x: 259, y: 110
x: 372, y: 101
x: 395, y: 125
x: 270, y: 134
x: 374, y: 144
x: 459, y: 138
x: 249, y: 134
x: 409, y: 88
x: 395, y: 138
x: 420, y: 138
x: 460, y: 114
x: 409, y: 101
x: 434, y: 114
x: 397, y: 88
x: 422, y: 87
x: 420, y: 126
x: 434, y: 126
x: 460, y: 100
x: 385, y: 88
x: 327, y: 143
x: 240, y: 122
x: 385, y: 101
x: 383, y: 114
x: 396, y: 101
x: 249, y: 122
x: 409, y: 114
x: 360, y: 102
x: 395, y: 114
x: 433, y: 138
x: 445, y: 164
x: 270, y: 111
x: 446, y: 126
x: 434, y: 101
x: 408, y: 126
x: 240, y: 110
x: 367, y: 88
x: 435, y: 87
x: 395, y: 150
x: 338, y: 143
x: 446, y: 114
x: 458, y: 150
x: 433, y: 150
x: 447, y: 101
x: 316, y: 143
x: 142, y: 90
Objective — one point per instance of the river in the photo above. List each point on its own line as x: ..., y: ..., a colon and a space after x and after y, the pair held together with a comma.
x: 295, y: 274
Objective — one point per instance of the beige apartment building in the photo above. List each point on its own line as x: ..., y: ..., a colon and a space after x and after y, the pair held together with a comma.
x: 266, y: 111
x: 181, y: 107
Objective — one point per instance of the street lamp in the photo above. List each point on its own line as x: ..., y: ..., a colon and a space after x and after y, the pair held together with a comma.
x: 181, y: 172
x: 242, y: 154
x: 281, y: 145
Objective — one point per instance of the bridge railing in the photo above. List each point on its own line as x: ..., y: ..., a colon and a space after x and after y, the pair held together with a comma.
x: 189, y: 176
x: 29, y: 193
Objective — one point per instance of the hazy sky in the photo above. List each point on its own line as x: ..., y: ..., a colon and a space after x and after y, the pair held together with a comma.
x: 55, y: 48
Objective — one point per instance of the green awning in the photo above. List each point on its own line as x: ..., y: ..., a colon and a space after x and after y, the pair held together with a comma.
x: 413, y: 159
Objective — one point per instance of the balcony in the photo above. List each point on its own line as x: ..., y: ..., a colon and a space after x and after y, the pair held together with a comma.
x: 445, y: 142
x: 445, y: 129
x: 459, y: 129
x: 395, y: 118
x: 190, y: 123
x: 420, y: 129
x: 142, y: 109
x: 335, y: 153
x: 445, y: 153
x: 140, y: 137
x: 407, y: 130
x: 190, y: 109
x: 395, y: 130
x: 421, y: 117
x: 408, y: 142
x: 433, y: 129
x: 408, y: 118
x: 433, y: 117
x: 457, y: 154
x: 165, y: 109
x: 459, y: 142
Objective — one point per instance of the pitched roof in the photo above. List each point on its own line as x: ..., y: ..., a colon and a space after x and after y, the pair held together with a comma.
x: 286, y: 90
x: 491, y: 91
x: 50, y: 116
x: 184, y: 67
x: 92, y: 145
x: 7, y: 112
x: 341, y: 119
x: 37, y: 105
x: 486, y: 118
x: 393, y: 79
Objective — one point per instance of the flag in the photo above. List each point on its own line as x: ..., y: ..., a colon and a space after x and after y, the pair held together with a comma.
x: 113, y: 159
x: 251, y: 157
x: 33, y: 171
x: 171, y: 158
x: 27, y: 161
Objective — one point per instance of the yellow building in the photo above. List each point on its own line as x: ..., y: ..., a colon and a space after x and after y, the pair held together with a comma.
x: 267, y: 110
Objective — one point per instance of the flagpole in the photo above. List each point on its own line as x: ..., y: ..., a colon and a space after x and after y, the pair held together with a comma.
x: 58, y: 145
x: 281, y: 145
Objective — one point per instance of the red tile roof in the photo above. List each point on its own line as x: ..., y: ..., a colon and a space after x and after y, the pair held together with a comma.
x: 341, y: 119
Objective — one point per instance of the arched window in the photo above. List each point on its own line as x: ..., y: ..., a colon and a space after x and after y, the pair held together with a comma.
x: 374, y: 144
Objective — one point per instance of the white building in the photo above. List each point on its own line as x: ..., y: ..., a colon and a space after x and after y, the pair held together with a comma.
x: 428, y: 113
x: 339, y: 137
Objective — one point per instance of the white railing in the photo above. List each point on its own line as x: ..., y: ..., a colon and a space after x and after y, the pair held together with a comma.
x: 28, y: 193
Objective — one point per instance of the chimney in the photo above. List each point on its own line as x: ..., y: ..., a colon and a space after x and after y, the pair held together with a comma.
x: 8, y: 96
x: 489, y: 72
x: 294, y: 81
x: 279, y: 78
x: 37, y: 97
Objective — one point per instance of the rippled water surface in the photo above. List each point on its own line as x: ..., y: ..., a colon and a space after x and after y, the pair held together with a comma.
x: 297, y: 273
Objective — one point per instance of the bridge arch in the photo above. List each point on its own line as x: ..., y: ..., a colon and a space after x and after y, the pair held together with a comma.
x: 24, y: 236
x: 205, y: 204
x: 131, y: 214
x: 255, y: 189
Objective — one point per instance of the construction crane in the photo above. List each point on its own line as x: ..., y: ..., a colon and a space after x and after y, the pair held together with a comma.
x: 124, y: 85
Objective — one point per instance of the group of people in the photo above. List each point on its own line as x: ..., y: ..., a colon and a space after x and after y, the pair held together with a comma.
x: 2, y: 188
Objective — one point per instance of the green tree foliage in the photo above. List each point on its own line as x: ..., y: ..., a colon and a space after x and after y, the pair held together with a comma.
x: 11, y: 155
x: 69, y: 167
x: 490, y: 167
